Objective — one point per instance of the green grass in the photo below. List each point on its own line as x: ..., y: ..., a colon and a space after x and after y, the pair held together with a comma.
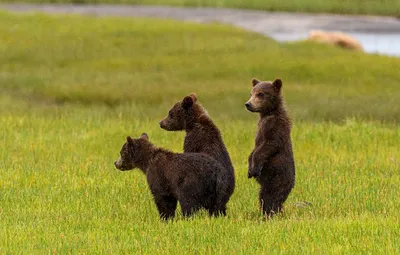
x: 72, y: 88
x: 94, y: 61
x: 374, y: 7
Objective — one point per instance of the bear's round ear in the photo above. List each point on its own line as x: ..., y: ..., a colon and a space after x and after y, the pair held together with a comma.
x: 193, y: 96
x: 277, y: 84
x: 187, y: 102
x: 255, y: 81
x: 144, y: 136
x: 129, y: 140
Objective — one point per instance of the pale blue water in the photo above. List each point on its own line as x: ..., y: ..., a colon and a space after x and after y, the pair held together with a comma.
x: 385, y: 44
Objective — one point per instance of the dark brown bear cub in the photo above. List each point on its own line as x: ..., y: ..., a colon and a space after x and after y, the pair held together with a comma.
x: 271, y: 161
x: 190, y: 178
x: 202, y: 136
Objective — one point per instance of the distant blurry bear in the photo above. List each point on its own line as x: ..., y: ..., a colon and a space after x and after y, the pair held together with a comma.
x: 335, y: 38
x: 193, y: 179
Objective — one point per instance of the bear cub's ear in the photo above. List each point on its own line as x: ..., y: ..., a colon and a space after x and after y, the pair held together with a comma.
x: 255, y: 81
x: 277, y: 84
x: 187, y: 102
x: 193, y: 96
x: 144, y: 136
x: 129, y: 140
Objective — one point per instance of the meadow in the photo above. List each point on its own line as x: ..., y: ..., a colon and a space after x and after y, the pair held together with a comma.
x: 72, y: 88
x: 365, y: 7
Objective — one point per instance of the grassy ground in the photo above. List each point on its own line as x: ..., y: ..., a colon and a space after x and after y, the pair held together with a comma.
x: 73, y: 87
x: 381, y: 7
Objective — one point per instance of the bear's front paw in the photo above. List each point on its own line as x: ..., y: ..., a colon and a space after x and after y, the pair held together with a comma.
x: 254, y: 172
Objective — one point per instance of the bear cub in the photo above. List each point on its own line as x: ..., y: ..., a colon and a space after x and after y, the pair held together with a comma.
x: 193, y: 179
x: 271, y: 162
x: 202, y: 136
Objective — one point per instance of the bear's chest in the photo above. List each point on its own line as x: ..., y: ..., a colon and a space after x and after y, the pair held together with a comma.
x: 265, y: 130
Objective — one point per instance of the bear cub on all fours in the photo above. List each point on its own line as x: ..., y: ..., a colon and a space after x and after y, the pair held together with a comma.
x: 271, y: 162
x: 202, y: 136
x: 190, y: 178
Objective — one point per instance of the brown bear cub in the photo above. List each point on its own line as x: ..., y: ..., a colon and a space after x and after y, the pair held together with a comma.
x: 202, y: 136
x: 271, y: 162
x: 193, y: 179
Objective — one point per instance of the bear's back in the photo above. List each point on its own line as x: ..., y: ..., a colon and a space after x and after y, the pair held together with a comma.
x: 205, y: 137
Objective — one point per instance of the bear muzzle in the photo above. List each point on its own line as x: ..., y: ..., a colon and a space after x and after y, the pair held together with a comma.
x: 249, y: 107
x: 118, y: 164
x: 254, y: 172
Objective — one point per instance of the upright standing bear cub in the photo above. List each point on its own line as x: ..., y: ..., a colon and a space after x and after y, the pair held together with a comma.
x: 271, y: 162
x: 202, y: 136
x: 190, y: 178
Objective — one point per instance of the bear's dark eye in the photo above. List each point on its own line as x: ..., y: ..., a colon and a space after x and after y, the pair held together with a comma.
x: 170, y: 114
x: 260, y: 94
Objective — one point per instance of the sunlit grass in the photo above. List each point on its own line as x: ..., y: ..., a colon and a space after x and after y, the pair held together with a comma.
x: 60, y: 191
x: 73, y: 88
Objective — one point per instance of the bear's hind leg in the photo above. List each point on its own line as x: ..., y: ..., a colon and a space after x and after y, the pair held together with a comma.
x: 166, y: 206
x: 189, y: 207
x: 217, y: 212
x: 269, y: 203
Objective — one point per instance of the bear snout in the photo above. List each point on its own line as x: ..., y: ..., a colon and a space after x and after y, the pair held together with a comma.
x: 249, y: 107
x: 255, y: 172
x: 118, y: 165
x: 164, y: 125
x: 251, y: 175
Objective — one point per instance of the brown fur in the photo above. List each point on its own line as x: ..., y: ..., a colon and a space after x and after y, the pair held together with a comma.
x: 202, y: 136
x: 335, y: 38
x: 190, y: 178
x: 271, y: 162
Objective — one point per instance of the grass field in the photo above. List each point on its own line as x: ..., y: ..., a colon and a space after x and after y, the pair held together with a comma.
x: 374, y: 7
x: 72, y: 88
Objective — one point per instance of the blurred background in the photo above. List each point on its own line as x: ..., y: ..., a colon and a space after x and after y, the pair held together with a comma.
x: 346, y: 56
